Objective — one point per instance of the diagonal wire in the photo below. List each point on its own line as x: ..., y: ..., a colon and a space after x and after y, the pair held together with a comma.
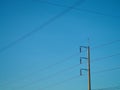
x: 59, y: 83
x: 109, y: 88
x: 107, y: 70
x: 78, y: 9
x: 106, y: 57
x: 41, y: 26
x: 106, y: 44
x: 64, y: 70
x: 76, y: 54
x: 49, y: 76
x: 72, y: 78
x: 102, y: 71
x: 51, y: 65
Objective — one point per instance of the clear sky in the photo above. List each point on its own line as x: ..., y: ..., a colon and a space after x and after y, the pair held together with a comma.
x: 23, y: 61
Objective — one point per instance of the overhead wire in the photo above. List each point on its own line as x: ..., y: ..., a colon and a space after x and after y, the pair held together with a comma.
x: 70, y: 68
x: 105, y: 57
x: 49, y: 76
x: 78, y: 9
x: 106, y: 44
x: 72, y: 78
x: 59, y: 83
x: 97, y: 59
x: 109, y: 88
x: 48, y: 67
x: 49, y: 21
x: 36, y: 30
x: 107, y: 70
x: 98, y: 46
x: 42, y: 26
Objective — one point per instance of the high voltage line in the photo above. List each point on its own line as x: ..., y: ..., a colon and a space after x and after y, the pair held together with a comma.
x: 42, y: 26
x: 106, y: 57
x: 106, y: 44
x: 52, y: 65
x: 107, y: 70
x: 78, y: 9
x: 66, y: 59
x: 72, y: 78
x: 50, y: 76
x: 109, y: 88
x: 77, y: 76
x: 58, y: 83
x: 69, y: 8
x: 70, y: 68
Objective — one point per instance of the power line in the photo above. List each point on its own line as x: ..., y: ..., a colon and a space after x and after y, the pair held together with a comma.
x: 50, y: 21
x: 107, y: 70
x: 42, y: 26
x: 52, y: 65
x: 58, y: 83
x: 72, y: 78
x: 55, y: 74
x: 70, y: 68
x: 106, y: 57
x: 68, y: 58
x: 49, y: 76
x: 78, y: 9
x: 99, y: 59
x: 46, y: 68
x: 109, y: 88
x: 36, y: 30
x: 106, y: 44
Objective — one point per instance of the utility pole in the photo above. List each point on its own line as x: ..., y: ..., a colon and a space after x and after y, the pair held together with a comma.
x: 88, y: 63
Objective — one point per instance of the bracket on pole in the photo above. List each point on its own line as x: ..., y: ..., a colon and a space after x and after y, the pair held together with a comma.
x: 82, y: 47
x: 82, y: 70
x: 81, y: 58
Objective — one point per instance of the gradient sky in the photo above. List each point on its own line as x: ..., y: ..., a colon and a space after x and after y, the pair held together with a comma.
x: 21, y: 63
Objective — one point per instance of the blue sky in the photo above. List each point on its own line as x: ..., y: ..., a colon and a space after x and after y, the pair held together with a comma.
x: 21, y: 63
